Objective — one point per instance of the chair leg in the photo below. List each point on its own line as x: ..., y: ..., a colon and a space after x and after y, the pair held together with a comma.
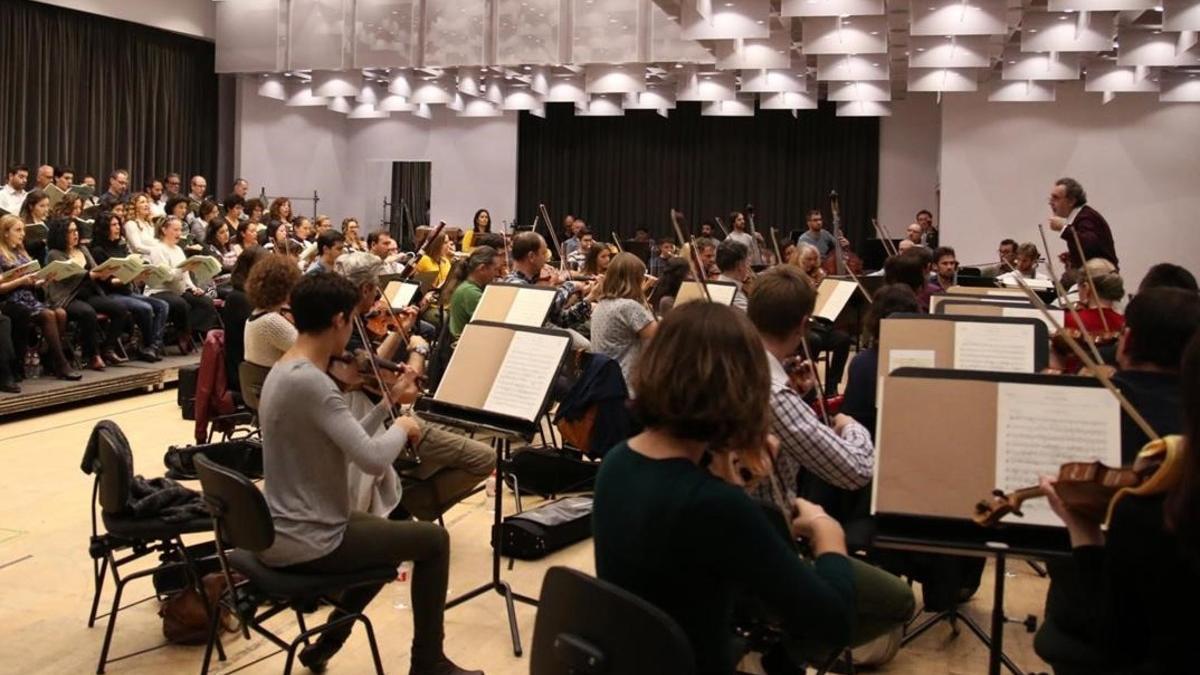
x: 214, y: 637
x: 99, y: 571
x: 112, y: 622
x: 303, y: 628
x: 374, y: 645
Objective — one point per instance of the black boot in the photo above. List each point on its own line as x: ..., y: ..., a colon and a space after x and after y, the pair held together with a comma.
x: 439, y: 666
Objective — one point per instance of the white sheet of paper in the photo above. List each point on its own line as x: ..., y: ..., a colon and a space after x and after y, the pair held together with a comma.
x: 839, y: 293
x: 1034, y: 313
x: 529, y: 308
x: 900, y: 358
x: 400, y: 294
x: 722, y: 293
x: 524, y: 378
x: 1039, y: 428
x: 997, y: 347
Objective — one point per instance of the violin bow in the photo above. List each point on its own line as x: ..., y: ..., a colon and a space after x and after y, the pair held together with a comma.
x: 721, y: 225
x: 617, y: 241
x: 1062, y: 300
x: 1062, y: 297
x: 383, y: 389
x: 1083, y: 356
x: 889, y: 246
x: 1091, y: 282
x: 558, y: 249
x: 858, y: 282
x: 693, y: 255
x: 820, y: 386
x: 775, y: 242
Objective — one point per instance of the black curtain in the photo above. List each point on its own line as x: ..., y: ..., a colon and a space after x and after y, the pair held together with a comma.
x: 95, y: 94
x: 411, y: 187
x: 626, y: 172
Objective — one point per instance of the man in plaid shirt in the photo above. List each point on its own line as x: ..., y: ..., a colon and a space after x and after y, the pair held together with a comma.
x: 842, y: 454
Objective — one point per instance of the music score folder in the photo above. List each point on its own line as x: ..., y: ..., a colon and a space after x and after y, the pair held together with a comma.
x: 993, y: 430
x: 832, y: 297
x: 962, y: 343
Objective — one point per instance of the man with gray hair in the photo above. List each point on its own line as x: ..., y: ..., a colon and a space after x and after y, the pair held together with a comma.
x: 1074, y: 218
x: 451, y: 464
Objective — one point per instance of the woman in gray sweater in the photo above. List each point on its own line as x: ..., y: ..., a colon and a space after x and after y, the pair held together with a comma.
x: 310, y: 438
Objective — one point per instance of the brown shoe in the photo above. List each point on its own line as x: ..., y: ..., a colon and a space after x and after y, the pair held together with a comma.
x: 112, y: 358
x: 96, y: 363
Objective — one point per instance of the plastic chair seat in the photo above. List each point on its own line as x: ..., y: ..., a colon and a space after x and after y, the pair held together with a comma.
x: 151, y: 529
x: 281, y: 584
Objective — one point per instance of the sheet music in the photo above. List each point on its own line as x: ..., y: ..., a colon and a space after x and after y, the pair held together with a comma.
x: 721, y: 293
x: 997, y: 347
x: 832, y: 296
x: 900, y: 358
x: 529, y: 308
x: 400, y: 294
x: 1034, y: 313
x: 1039, y: 428
x: 524, y: 378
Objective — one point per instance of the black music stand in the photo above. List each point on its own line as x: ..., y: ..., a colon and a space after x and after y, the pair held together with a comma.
x: 954, y: 537
x: 505, y: 428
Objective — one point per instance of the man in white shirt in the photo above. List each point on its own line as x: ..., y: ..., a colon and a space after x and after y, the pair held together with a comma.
x: 64, y: 178
x: 12, y: 195
x: 1027, y: 267
x: 733, y: 259
x: 154, y: 189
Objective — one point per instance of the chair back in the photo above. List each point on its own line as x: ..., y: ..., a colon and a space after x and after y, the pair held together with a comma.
x: 114, y: 468
x: 251, y: 377
x: 239, y: 509
x: 586, y: 626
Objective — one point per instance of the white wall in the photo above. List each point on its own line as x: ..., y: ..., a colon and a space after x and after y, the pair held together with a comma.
x: 909, y: 145
x: 292, y: 151
x: 1137, y: 158
x: 190, y: 17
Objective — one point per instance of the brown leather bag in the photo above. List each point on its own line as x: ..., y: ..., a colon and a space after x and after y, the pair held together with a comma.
x: 185, y: 619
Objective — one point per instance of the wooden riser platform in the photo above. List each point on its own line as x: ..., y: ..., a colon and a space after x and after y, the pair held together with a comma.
x: 48, y: 392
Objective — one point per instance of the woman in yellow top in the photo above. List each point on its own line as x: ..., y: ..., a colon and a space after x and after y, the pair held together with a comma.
x: 480, y: 224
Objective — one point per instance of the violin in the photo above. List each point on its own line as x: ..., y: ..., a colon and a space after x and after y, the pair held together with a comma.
x: 352, y: 372
x: 1093, y: 489
x: 840, y: 261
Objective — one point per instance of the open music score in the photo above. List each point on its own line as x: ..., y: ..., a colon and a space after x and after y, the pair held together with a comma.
x: 515, y: 304
x: 996, y: 347
x: 400, y: 294
x: 833, y: 296
x: 998, y: 430
x: 720, y: 291
x: 1038, y: 429
x: 1003, y: 310
x: 503, y: 370
x: 936, y: 299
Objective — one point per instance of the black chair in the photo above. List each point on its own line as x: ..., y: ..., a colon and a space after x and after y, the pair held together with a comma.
x: 109, y: 459
x: 240, y: 519
x: 586, y: 626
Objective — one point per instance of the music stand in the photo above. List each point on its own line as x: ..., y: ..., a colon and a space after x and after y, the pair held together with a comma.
x: 477, y: 338
x: 910, y: 516
x: 639, y: 248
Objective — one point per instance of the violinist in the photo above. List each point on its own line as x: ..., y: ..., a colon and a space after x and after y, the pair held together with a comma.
x: 733, y: 259
x: 572, y: 304
x: 822, y: 336
x: 706, y: 250
x: 1096, y: 303
x: 1159, y: 323
x: 596, y: 263
x: 330, y: 246
x: 466, y: 288
x: 1027, y: 266
x: 702, y: 391
x: 310, y: 441
x: 909, y: 268
x: 1169, y: 275
x: 269, y: 331
x: 862, y: 381
x: 577, y: 258
x: 1133, y: 606
x: 929, y: 231
x: 817, y: 236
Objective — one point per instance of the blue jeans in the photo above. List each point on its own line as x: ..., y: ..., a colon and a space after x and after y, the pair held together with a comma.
x: 150, y: 313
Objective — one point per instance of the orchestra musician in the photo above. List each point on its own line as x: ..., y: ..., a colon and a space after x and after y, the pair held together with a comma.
x: 733, y: 259
x: 306, y: 458
x: 1131, y: 606
x: 702, y: 390
x: 622, y: 322
x: 1072, y: 216
x: 738, y: 233
x: 822, y: 336
x: 945, y: 269
x: 818, y: 237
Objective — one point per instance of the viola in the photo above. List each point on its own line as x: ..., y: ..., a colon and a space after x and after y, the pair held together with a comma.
x: 1093, y: 489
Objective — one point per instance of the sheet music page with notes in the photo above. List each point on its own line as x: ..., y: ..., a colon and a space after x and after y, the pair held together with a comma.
x: 996, y: 347
x: 529, y: 308
x: 400, y: 294
x: 721, y: 293
x: 529, y: 366
x: 1039, y: 428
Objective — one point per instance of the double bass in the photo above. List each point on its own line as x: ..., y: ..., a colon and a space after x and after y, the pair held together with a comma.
x: 840, y: 261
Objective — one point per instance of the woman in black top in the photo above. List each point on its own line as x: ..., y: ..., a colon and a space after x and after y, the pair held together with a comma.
x: 1139, y: 583
x: 236, y: 311
x: 149, y: 313
x: 689, y: 539
x: 84, y: 297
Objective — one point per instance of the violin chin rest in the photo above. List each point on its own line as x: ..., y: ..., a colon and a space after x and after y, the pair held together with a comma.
x: 998, y: 492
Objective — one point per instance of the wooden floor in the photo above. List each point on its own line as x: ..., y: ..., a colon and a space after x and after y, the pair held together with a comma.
x: 46, y: 585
